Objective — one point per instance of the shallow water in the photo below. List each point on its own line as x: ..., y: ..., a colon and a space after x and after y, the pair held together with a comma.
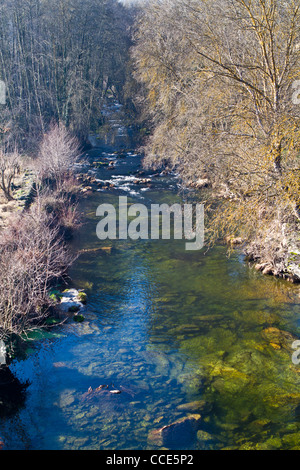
x: 176, y: 332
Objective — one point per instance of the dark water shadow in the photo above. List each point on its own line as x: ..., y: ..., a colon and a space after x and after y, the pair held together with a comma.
x: 12, y: 393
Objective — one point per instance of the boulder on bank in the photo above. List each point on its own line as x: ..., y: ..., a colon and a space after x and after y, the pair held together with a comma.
x: 265, y: 268
x: 291, y: 275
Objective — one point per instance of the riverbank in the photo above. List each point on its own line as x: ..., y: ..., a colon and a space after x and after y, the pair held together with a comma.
x: 38, y: 217
x: 273, y: 250
x: 82, y: 182
x: 21, y: 194
x: 281, y: 260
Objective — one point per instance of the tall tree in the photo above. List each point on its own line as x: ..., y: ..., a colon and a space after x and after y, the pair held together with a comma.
x: 59, y: 58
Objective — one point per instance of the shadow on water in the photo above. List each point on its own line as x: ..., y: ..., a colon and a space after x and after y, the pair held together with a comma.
x: 12, y: 393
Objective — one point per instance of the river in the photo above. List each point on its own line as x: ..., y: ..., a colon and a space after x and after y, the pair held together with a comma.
x: 178, y: 332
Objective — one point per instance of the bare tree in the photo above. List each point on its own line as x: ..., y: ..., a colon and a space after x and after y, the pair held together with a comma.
x: 219, y: 78
x: 9, y: 169
x: 59, y: 59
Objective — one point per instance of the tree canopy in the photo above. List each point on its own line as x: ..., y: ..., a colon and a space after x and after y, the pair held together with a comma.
x: 220, y: 83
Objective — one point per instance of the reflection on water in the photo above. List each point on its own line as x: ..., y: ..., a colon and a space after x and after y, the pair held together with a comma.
x: 177, y: 333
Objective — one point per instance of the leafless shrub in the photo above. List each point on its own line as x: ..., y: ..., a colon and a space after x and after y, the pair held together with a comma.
x: 60, y: 208
x: 32, y: 256
x: 57, y: 154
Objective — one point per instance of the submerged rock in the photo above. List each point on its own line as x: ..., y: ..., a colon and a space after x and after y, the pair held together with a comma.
x: 233, y: 241
x: 203, y: 436
x: 192, y: 382
x: 179, y: 433
x: 159, y: 359
x: 78, y: 318
x: 278, y: 338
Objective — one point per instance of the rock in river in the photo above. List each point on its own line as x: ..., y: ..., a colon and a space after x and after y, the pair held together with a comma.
x: 71, y: 301
x: 179, y: 433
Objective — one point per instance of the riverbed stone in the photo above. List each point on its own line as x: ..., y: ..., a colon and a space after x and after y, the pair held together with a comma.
x: 197, y: 405
x: 181, y: 432
x: 278, y: 338
x: 203, y: 436
x: 274, y: 443
x: 291, y: 440
x: 67, y: 398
